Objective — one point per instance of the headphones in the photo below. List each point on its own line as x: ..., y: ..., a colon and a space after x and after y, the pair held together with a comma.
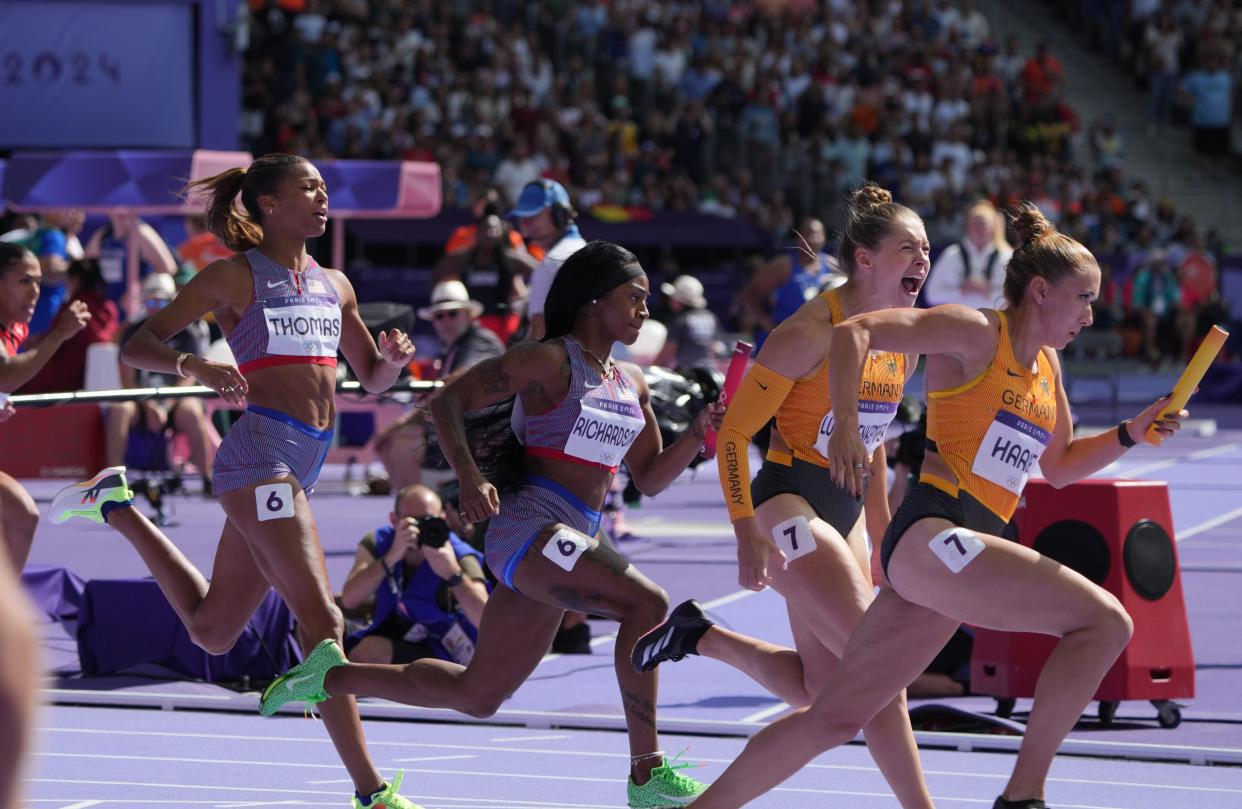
x: 562, y: 214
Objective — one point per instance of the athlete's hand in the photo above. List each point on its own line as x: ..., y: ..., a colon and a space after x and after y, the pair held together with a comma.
x: 7, y: 411
x: 711, y: 417
x: 755, y: 554
x: 395, y: 347
x: 1166, y: 426
x: 479, y: 500
x: 72, y: 319
x: 224, y: 379
x: 847, y: 458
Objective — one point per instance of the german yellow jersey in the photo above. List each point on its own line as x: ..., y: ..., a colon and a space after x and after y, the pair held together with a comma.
x: 805, y: 420
x: 992, y: 430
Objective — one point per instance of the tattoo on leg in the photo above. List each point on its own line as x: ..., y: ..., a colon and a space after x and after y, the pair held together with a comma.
x: 572, y: 600
x: 639, y: 707
x: 612, y: 561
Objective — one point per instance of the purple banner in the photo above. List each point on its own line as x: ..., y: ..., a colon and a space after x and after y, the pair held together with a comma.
x: 96, y: 75
x: 143, y: 180
x: 390, y: 189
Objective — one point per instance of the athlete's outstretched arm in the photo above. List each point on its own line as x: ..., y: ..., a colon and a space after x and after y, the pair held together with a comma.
x: 1068, y: 459
x: 652, y: 465
x: 223, y: 284
x: 952, y: 329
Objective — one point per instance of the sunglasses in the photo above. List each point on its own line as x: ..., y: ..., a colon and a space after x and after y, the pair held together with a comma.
x: 445, y: 314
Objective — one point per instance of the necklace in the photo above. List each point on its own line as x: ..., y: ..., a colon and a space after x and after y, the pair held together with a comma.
x: 605, y: 367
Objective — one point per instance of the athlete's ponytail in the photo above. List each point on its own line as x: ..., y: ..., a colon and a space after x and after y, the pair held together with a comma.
x: 241, y: 229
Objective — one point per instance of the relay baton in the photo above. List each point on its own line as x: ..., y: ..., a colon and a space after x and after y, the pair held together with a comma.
x: 1190, y: 378
x: 737, y: 370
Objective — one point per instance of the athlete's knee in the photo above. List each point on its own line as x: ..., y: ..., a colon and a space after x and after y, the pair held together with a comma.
x: 832, y: 728
x: 213, y: 637
x: 650, y: 605
x: 480, y: 704
x: 1114, y: 622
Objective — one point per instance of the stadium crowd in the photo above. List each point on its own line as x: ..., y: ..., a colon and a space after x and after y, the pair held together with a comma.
x: 720, y: 108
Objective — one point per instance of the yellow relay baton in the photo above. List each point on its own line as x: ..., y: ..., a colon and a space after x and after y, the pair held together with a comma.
x: 1189, y: 381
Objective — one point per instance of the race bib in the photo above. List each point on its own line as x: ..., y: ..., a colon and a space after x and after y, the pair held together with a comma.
x: 793, y: 537
x: 303, y: 331
x: 873, y: 420
x: 458, y: 644
x: 1010, y: 450
x: 273, y: 501
x: 957, y: 548
x: 565, y: 548
x: 604, y: 430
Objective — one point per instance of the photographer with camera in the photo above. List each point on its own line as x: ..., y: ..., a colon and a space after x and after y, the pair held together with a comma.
x: 428, y: 586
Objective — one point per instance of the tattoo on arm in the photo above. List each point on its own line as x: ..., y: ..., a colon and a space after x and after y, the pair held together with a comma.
x: 494, y: 378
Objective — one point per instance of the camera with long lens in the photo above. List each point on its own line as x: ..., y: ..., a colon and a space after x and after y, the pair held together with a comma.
x: 433, y: 532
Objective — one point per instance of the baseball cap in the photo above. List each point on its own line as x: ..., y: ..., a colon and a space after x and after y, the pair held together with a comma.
x: 538, y: 195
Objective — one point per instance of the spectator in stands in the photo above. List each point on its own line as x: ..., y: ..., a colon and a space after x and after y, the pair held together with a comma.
x: 136, y: 433
x: 694, y: 332
x: 494, y: 274
x: 427, y: 585
x: 1211, y: 93
x: 972, y: 271
x: 110, y: 245
x: 54, y: 241
x: 201, y: 247
x: 545, y: 217
x: 1040, y: 76
x: 1156, y: 299
x: 402, y: 445
x: 487, y: 203
x: 83, y: 284
x: 1164, y: 44
x: 790, y: 279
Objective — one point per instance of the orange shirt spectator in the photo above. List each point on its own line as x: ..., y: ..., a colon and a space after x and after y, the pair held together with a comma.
x: 201, y: 248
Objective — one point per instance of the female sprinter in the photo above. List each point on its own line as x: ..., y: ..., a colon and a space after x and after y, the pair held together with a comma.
x: 284, y: 317
x: 800, y: 516
x: 584, y: 414
x: 996, y: 407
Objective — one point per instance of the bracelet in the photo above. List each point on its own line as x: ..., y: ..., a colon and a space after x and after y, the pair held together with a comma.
x: 454, y: 580
x: 185, y: 355
x: 383, y: 564
x: 1123, y: 435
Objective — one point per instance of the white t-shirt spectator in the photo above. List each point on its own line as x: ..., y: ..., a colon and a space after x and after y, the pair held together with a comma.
x: 513, y: 173
x: 950, y: 273
x: 545, y: 272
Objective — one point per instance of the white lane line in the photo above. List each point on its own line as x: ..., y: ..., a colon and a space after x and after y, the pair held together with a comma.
x: 1208, y: 525
x: 1156, y: 466
x: 771, y: 710
x: 81, y: 804
x: 703, y: 759
x: 432, y: 758
x: 544, y: 738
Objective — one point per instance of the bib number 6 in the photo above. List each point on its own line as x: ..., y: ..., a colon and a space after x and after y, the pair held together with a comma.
x: 274, y: 501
